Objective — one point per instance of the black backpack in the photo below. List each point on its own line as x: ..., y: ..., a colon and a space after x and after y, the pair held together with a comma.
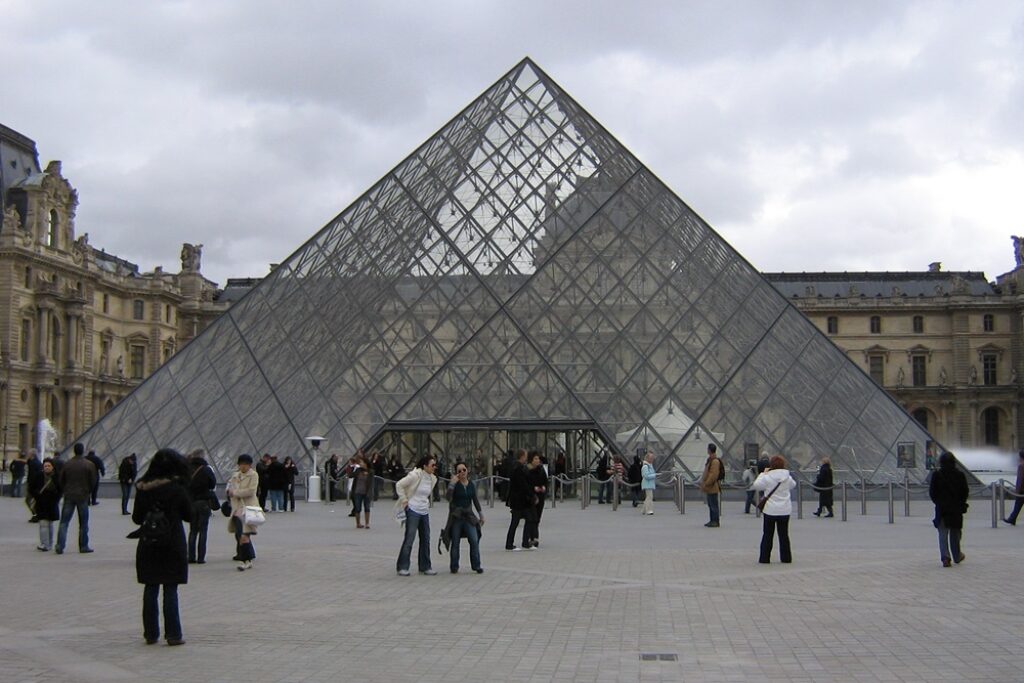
x: 721, y: 470
x: 155, y: 528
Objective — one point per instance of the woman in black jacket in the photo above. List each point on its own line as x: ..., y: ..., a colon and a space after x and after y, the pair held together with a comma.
x: 823, y: 485
x: 161, y: 505
x: 46, y: 494
x: 948, y: 490
x: 538, y: 480
x: 291, y: 472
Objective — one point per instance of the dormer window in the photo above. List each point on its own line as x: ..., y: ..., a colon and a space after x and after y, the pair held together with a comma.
x: 53, y: 230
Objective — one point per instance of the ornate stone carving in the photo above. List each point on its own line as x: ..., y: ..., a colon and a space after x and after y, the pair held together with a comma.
x: 191, y: 256
x: 1018, y: 249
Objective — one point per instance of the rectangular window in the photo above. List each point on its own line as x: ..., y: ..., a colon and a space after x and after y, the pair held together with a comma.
x: 138, y: 309
x: 876, y: 368
x: 988, y: 322
x: 833, y: 324
x: 876, y: 325
x: 167, y: 312
x: 106, y: 303
x: 918, y: 324
x: 138, y: 361
x: 26, y: 338
x: 988, y: 364
x: 28, y: 277
x: 918, y: 374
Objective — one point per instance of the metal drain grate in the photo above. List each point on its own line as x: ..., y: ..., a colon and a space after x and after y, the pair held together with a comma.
x: 658, y: 657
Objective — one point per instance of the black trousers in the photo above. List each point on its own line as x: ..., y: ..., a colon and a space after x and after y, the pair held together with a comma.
x: 289, y: 497
x: 771, y: 524
x: 518, y: 514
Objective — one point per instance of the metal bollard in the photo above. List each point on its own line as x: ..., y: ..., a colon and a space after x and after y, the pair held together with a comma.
x: 891, y: 518
x: 490, y: 489
x: 800, y: 499
x: 844, y: 501
x: 995, y: 496
x: 551, y: 487
x: 615, y: 494
x: 1002, y: 499
x: 584, y: 492
x: 906, y: 500
x: 863, y: 499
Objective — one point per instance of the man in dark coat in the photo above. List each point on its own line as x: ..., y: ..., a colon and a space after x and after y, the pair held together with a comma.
x: 277, y: 482
x: 201, y: 483
x: 519, y: 500
x: 35, y: 480
x: 948, y: 490
x: 262, y: 471
x: 76, y: 480
x: 126, y: 473
x: 101, y: 472
x: 161, y: 558
x: 823, y: 485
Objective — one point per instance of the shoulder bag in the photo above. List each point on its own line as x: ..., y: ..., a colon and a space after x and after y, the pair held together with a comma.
x: 761, y: 503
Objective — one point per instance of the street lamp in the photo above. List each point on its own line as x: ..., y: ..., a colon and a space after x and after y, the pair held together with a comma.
x: 313, y: 482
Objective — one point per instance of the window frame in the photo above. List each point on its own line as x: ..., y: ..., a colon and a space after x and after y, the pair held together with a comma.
x: 875, y: 324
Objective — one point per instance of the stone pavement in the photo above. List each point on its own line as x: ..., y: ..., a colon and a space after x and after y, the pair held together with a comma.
x: 863, y: 601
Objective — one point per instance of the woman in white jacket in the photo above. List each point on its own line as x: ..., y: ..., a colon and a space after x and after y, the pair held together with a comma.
x: 414, y: 497
x: 776, y: 483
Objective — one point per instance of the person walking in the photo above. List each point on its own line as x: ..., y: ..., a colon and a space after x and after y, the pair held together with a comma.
x: 332, y: 471
x: 241, y: 492
x: 823, y: 485
x: 201, y: 483
x: 162, y: 506
x: 101, y: 471
x: 277, y: 482
x: 776, y: 483
x: 35, y: 480
x: 519, y: 501
x: 711, y: 484
x: 46, y: 495
x: 262, y: 472
x: 648, y: 480
x: 377, y: 467
x: 749, y: 474
x: 603, y: 473
x: 414, y: 497
x: 948, y: 490
x: 127, y: 470
x: 76, y: 480
x: 462, y: 521
x: 634, y: 478
x: 291, y: 473
x: 1018, y: 502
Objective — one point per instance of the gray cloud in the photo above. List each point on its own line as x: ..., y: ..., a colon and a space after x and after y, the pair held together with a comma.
x: 814, y: 136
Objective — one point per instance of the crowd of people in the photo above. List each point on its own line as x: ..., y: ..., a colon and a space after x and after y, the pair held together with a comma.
x: 177, y: 490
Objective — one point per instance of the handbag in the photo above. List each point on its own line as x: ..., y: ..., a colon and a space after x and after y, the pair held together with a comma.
x: 214, y: 501
x: 761, y: 503
x: 253, y: 516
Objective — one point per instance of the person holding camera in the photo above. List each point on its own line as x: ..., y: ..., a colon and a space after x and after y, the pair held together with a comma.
x: 776, y: 483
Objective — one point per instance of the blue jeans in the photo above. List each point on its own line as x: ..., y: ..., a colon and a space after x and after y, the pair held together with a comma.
x: 276, y: 500
x: 713, y: 508
x: 949, y: 543
x: 82, y: 506
x: 16, y: 486
x: 604, y: 491
x: 415, y: 523
x: 151, y: 612
x: 460, y: 528
x: 126, y: 492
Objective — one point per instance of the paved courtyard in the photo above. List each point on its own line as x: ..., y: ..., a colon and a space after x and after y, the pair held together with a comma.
x: 863, y: 601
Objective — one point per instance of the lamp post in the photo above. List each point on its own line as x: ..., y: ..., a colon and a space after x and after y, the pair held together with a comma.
x: 313, y: 482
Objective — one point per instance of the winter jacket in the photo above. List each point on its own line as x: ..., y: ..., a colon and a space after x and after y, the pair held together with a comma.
x: 243, y: 493
x: 519, y: 491
x: 709, y: 481
x: 127, y: 471
x: 277, y: 476
x: 779, y: 505
x: 201, y: 482
x: 77, y: 478
x: 948, y: 490
x: 165, y: 562
x: 823, y: 484
x: 648, y: 477
x: 47, y: 498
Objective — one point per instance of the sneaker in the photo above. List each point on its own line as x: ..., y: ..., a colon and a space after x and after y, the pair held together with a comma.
x: 829, y: 515
x: 429, y: 572
x: 175, y: 641
x: 403, y: 572
x: 961, y: 558
x: 151, y: 641
x: 1009, y: 522
x: 245, y: 565
x: 42, y: 547
x: 817, y: 514
x: 479, y: 570
x: 59, y: 551
x: 513, y: 549
x: 947, y: 563
x: 712, y: 525
x: 455, y: 571
x: 86, y: 550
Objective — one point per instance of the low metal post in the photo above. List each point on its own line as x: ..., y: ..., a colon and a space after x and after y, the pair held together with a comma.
x: 863, y: 498
x: 615, y: 493
x: 995, y: 504
x: 906, y: 499
x: 800, y: 499
x: 551, y: 488
x: 682, y: 495
x: 844, y: 501
x: 891, y: 518
x: 584, y: 491
x: 490, y: 489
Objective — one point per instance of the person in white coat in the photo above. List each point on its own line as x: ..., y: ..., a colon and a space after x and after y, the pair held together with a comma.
x: 776, y: 484
x: 648, y: 480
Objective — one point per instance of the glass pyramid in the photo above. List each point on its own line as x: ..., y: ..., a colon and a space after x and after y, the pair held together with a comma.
x: 521, y: 266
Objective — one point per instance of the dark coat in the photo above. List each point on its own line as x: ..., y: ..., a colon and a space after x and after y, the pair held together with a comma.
x: 127, y: 471
x: 97, y: 463
x: 537, y: 477
x: 823, y: 485
x: 201, y: 482
x: 47, y: 496
x: 948, y: 490
x: 277, y: 476
x: 519, y: 488
x: 35, y: 475
x: 77, y: 478
x: 291, y: 470
x: 166, y: 563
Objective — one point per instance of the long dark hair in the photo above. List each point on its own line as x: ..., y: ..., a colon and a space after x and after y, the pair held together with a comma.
x: 167, y: 463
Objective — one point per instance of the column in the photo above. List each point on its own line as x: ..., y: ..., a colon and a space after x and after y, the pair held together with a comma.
x: 43, y: 329
x: 72, y: 340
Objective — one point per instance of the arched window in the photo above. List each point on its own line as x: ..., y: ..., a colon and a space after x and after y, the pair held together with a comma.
x: 990, y: 426
x: 921, y: 416
x: 53, y: 230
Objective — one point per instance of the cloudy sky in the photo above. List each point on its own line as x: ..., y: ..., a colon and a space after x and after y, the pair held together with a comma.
x: 812, y: 136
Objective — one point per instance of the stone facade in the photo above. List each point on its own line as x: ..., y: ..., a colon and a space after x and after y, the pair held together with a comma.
x: 79, y: 328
